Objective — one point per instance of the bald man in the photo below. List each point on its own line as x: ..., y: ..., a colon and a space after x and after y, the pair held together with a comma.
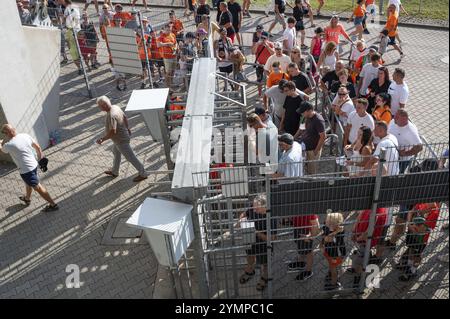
x: 21, y: 148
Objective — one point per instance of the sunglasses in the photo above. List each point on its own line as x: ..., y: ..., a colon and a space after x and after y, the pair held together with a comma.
x: 295, y: 52
x: 342, y: 94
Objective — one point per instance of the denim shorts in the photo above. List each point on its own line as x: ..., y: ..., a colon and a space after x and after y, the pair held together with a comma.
x: 31, y: 178
x: 358, y: 20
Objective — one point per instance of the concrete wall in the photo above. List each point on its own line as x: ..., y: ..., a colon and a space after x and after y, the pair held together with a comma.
x: 29, y: 85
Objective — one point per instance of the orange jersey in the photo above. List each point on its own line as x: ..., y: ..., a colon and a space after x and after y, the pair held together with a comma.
x: 359, y: 11
x: 382, y: 113
x: 332, y: 34
x: 124, y: 16
x: 274, y: 78
x: 391, y: 24
x: 168, y: 52
x: 154, y: 49
x: 141, y: 48
x: 177, y: 26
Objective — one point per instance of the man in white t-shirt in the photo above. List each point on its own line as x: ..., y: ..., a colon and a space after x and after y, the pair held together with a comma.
x: 278, y: 56
x: 291, y: 161
x: 342, y: 105
x: 368, y: 73
x: 398, y: 90
x: 389, y: 143
x: 289, y: 36
x: 358, y: 119
x: 409, y: 142
x: 21, y: 147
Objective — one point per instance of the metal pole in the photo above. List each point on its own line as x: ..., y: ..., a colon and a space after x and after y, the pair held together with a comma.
x: 86, y: 79
x: 269, y: 238
x: 199, y: 257
x: 145, y: 50
x: 233, y: 252
x: 372, y: 219
x: 381, y: 7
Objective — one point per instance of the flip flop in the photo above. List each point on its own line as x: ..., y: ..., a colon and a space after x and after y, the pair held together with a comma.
x: 26, y: 201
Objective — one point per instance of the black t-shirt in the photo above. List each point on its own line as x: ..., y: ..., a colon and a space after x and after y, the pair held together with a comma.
x: 301, y: 81
x: 202, y: 10
x: 234, y: 8
x: 291, y: 117
x: 260, y: 221
x: 298, y: 13
x: 336, y: 248
x: 329, y: 78
x: 350, y: 87
x: 281, y: 5
x: 225, y: 18
x: 313, y: 127
x: 256, y: 38
x: 377, y: 89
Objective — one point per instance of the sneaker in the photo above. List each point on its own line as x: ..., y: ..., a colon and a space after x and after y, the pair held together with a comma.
x: 270, y: 35
x: 138, y: 179
x: 402, y: 55
x: 80, y: 72
x: 142, y: 86
x: 50, y: 208
x: 304, y: 275
x: 366, y: 31
x: 329, y: 287
x: 296, y: 265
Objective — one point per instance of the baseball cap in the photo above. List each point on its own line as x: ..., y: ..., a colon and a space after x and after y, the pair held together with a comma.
x: 286, y: 138
x: 259, y: 27
x: 264, y: 35
x: 419, y: 221
x: 259, y: 110
x: 118, y: 5
x: 278, y: 45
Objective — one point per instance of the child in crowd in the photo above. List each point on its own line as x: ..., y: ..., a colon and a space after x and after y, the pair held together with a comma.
x: 333, y: 248
x: 317, y: 43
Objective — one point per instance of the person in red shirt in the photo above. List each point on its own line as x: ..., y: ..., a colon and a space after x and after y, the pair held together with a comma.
x: 262, y: 49
x: 121, y: 15
x: 306, y: 228
x: 334, y: 30
x: 360, y: 235
x: 167, y: 45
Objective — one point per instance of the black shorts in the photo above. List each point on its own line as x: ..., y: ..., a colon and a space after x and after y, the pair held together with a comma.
x: 227, y: 69
x: 299, y: 26
x: 392, y: 41
x: 304, y: 247
x: 236, y: 28
x: 31, y: 178
x: 259, y: 74
x: 260, y: 251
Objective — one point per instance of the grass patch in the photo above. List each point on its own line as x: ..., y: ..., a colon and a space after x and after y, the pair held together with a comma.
x: 431, y: 9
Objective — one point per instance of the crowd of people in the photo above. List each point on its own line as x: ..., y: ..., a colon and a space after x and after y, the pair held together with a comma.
x: 371, y: 106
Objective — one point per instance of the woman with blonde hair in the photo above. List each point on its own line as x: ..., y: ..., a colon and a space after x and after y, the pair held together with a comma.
x: 329, y: 56
x: 296, y: 57
x: 333, y: 248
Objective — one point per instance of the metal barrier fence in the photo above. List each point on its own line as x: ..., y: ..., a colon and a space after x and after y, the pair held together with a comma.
x: 313, y: 236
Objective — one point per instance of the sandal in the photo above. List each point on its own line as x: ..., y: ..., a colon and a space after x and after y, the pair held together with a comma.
x: 262, y: 284
x: 26, y: 201
x: 246, y: 276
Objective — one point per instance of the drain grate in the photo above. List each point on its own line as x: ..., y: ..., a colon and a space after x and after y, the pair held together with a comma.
x: 119, y: 233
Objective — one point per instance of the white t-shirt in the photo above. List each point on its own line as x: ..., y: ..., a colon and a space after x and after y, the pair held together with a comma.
x: 72, y: 15
x: 357, y: 122
x: 21, y: 150
x: 399, y: 94
x: 368, y: 73
x: 407, y: 137
x: 284, y: 62
x: 291, y: 162
x: 347, y: 107
x: 390, y: 143
x: 289, y: 35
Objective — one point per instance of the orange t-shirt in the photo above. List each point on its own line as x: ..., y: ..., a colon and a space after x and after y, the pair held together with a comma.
x: 332, y: 34
x: 382, y: 113
x: 168, y: 52
x: 391, y: 24
x: 274, y: 78
x: 359, y: 11
x: 141, y: 48
x: 177, y: 26
x: 124, y: 16
x: 154, y: 49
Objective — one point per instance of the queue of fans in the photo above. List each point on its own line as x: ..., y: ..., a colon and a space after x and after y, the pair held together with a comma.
x: 371, y: 106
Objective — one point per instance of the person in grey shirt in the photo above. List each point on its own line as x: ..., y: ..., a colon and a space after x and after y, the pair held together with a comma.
x: 132, y: 24
x: 117, y: 130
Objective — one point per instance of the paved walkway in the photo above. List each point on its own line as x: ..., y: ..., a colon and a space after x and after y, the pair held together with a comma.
x: 36, y: 248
